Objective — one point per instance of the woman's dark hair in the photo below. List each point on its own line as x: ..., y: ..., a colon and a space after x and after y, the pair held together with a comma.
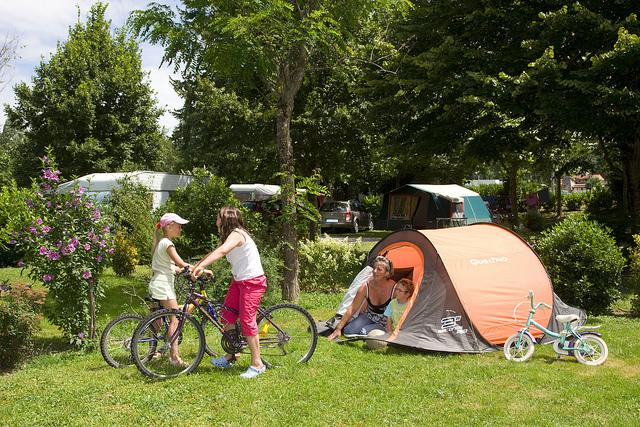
x: 230, y: 219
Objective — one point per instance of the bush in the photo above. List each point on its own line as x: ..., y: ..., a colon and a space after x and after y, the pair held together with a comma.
x: 19, y: 317
x: 131, y: 207
x: 125, y: 257
x: 200, y: 202
x: 600, y: 199
x: 67, y: 242
x: 13, y: 213
x: 584, y: 263
x: 372, y: 203
x: 574, y: 201
x: 534, y: 220
x: 328, y: 265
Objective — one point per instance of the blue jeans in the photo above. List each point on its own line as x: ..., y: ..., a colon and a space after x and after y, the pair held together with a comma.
x: 361, y: 325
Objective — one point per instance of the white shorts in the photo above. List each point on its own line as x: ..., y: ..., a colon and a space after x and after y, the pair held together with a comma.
x: 161, y: 288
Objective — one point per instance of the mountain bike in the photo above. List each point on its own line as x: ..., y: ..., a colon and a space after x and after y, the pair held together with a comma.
x: 115, y: 340
x: 586, y: 346
x: 287, y: 333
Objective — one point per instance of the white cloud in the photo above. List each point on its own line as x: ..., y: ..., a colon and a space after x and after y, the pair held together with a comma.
x: 40, y: 24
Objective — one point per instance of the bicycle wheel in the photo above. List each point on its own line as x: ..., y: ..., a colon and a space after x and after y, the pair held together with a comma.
x: 151, y: 346
x: 519, y: 348
x: 115, y: 341
x: 287, y: 334
x: 591, y: 350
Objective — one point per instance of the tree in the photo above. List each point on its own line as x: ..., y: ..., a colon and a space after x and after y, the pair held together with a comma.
x: 219, y: 128
x: 265, y: 44
x: 453, y: 94
x: 7, y: 54
x: 91, y: 103
x: 587, y: 71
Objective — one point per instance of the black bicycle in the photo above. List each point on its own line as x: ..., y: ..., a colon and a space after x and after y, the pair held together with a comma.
x: 287, y: 333
x: 115, y: 340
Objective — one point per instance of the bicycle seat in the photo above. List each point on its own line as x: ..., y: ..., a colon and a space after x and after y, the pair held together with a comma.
x: 566, y: 318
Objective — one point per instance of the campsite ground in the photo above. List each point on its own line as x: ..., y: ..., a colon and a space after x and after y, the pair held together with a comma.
x: 341, y: 385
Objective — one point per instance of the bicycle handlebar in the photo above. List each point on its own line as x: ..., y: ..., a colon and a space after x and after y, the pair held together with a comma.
x: 200, y: 280
x: 540, y: 304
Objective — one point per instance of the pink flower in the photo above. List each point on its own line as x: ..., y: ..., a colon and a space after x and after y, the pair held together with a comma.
x: 87, y: 247
x: 29, y: 203
x: 43, y: 250
x: 39, y: 221
x: 99, y: 258
x: 96, y: 214
x: 53, y: 255
x: 86, y: 274
x: 46, y: 229
x: 74, y: 242
x: 50, y: 175
x: 33, y: 230
x: 81, y: 190
x: 47, y: 278
x: 21, y: 263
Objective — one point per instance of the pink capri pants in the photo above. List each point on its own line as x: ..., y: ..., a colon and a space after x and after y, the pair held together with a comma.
x: 244, y: 296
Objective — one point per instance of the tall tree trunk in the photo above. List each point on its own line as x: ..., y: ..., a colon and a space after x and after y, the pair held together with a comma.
x: 513, y: 190
x: 92, y: 309
x: 291, y: 73
x: 558, y: 179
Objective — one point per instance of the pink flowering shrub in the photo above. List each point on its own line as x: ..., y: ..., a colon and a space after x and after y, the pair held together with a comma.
x: 67, y: 243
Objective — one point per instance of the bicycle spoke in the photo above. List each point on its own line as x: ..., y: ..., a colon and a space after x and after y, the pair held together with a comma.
x: 287, y: 335
x: 152, y: 344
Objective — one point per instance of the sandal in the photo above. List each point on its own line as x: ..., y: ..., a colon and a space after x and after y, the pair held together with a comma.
x: 220, y: 362
x: 178, y: 362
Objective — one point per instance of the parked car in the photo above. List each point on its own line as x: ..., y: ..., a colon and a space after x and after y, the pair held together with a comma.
x: 345, y: 214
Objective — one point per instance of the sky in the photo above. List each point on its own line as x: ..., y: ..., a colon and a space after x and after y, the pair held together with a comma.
x: 40, y: 24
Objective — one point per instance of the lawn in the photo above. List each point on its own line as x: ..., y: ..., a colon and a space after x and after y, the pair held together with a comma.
x: 341, y: 385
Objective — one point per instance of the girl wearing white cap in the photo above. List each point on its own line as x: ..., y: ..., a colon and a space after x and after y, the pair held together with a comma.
x: 164, y: 264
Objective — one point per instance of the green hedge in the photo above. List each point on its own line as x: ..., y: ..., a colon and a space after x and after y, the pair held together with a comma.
x: 20, y: 319
x: 328, y: 265
x: 131, y: 205
x: 584, y: 263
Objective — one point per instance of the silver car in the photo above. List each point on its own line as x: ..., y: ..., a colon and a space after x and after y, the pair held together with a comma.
x: 345, y: 214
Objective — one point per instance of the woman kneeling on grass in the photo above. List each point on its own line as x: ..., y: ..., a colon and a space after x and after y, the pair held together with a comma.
x: 245, y: 290
x: 377, y: 293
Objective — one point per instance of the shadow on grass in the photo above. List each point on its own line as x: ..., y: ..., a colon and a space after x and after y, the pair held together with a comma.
x: 49, y: 345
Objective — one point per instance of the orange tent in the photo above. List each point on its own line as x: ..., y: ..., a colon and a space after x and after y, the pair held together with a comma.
x: 471, y: 287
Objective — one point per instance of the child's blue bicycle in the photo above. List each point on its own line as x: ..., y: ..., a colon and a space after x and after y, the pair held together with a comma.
x: 587, y: 346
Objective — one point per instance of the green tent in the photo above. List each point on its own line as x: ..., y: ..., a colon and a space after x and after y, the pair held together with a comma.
x: 427, y: 206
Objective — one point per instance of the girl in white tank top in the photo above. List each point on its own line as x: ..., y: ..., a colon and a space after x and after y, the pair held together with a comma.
x: 245, y: 290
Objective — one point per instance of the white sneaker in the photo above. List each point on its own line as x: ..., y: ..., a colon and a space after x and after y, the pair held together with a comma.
x: 252, y: 372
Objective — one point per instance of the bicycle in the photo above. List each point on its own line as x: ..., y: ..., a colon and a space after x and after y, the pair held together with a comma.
x: 287, y: 332
x: 587, y: 347
x: 115, y: 340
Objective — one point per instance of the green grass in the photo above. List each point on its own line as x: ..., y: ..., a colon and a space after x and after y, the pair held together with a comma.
x: 341, y: 385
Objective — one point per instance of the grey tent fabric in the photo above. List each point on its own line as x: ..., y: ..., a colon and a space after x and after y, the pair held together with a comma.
x: 360, y: 278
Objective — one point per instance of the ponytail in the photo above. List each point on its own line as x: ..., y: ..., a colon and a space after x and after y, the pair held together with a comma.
x: 158, y: 234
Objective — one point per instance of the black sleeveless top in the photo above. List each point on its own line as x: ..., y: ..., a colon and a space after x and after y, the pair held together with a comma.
x: 379, y: 308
